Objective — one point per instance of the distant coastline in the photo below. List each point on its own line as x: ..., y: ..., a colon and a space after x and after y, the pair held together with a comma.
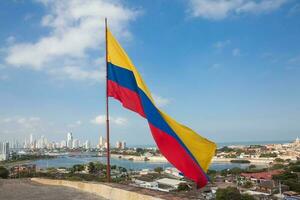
x: 222, y: 144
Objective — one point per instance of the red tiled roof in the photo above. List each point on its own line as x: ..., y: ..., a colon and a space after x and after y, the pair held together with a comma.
x: 262, y: 175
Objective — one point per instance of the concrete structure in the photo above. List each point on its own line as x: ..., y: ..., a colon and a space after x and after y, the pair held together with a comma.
x: 103, y: 190
x: 174, y: 172
x: 170, y: 182
x: 24, y: 189
x: 145, y: 184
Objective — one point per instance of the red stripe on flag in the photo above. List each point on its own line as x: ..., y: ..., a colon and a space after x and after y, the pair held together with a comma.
x: 127, y: 97
x: 178, y: 156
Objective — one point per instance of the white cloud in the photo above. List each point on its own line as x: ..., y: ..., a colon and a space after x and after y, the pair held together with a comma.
x: 101, y: 119
x: 220, y: 9
x: 76, y: 28
x: 160, y: 101
x: 26, y: 122
x: 236, y: 52
x: 77, y: 73
x: 221, y: 44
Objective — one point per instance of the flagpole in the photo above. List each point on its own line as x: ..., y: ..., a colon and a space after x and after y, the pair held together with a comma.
x: 107, y: 111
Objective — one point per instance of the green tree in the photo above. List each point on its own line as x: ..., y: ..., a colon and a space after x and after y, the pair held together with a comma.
x: 158, y: 169
x: 4, y: 173
x: 278, y: 166
x: 247, y: 197
x: 252, y: 167
x: 122, y: 169
x: 248, y: 184
x: 140, y: 151
x: 91, y: 168
x: 229, y: 193
x: 113, y: 167
x: 236, y: 171
x: 295, y: 168
x: 183, y: 187
x: 77, y: 168
x: 279, y: 160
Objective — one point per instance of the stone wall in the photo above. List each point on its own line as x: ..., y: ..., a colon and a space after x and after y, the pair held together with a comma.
x: 105, y: 191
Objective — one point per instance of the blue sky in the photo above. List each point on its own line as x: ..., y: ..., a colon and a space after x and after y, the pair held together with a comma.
x: 227, y: 69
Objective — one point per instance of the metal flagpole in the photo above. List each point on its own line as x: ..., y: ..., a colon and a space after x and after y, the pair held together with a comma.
x: 107, y: 111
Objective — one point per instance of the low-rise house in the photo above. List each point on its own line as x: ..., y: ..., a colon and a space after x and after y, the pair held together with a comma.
x: 261, y: 176
x: 26, y: 168
x: 263, y: 180
x: 145, y: 171
x: 173, y: 172
x: 146, y: 184
x: 290, y: 195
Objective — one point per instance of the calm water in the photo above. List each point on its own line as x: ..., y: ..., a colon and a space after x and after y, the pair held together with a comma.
x: 67, y: 161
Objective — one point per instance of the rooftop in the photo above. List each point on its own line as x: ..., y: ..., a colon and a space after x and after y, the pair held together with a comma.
x: 262, y: 175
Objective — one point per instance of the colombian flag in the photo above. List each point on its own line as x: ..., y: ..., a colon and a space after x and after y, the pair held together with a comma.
x: 186, y: 150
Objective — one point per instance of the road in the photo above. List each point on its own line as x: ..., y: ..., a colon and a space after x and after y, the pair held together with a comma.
x: 14, y: 189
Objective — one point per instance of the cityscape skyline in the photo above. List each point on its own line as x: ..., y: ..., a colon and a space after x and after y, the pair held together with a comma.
x: 42, y: 142
x: 235, y: 84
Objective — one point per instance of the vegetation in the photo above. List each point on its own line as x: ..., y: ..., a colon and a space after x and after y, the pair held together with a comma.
x: 231, y: 193
x: 77, y: 168
x: 248, y: 184
x: 277, y: 166
x: 290, y: 177
x: 226, y: 149
x: 183, y: 187
x: 91, y: 168
x: 158, y: 169
x: 240, y: 161
x: 268, y: 155
x: 4, y: 173
x: 279, y: 160
x: 251, y: 167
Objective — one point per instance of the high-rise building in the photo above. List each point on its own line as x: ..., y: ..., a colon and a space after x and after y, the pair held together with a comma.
x: 31, y: 139
x: 87, y: 144
x: 70, y: 140
x: 123, y: 145
x: 118, y: 145
x: 63, y: 144
x: 76, y: 144
x: 4, y: 150
x: 102, y: 142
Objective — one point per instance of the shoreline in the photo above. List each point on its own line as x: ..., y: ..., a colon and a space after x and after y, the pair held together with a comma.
x: 259, y: 161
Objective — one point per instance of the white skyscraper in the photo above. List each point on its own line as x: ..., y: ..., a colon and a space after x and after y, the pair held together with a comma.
x: 4, y: 150
x: 102, y: 142
x: 87, y: 144
x: 76, y: 144
x: 70, y: 140
x: 118, y: 145
x: 123, y: 145
x: 31, y: 139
